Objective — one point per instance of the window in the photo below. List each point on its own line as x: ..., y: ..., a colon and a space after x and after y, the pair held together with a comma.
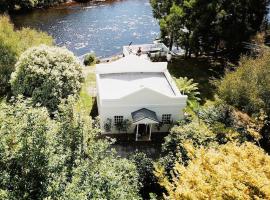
x: 118, y: 119
x: 166, y: 118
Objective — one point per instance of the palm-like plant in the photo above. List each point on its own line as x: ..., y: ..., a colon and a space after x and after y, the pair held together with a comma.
x: 189, y: 88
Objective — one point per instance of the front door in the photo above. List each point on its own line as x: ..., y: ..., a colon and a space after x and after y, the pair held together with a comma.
x: 143, y: 132
x: 143, y: 129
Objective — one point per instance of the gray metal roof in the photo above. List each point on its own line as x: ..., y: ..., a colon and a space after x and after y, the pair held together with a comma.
x: 143, y: 114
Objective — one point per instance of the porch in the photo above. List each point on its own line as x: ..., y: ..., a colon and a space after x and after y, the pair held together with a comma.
x: 144, y: 120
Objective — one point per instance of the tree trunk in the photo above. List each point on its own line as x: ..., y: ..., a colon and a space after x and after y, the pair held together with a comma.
x: 171, y: 41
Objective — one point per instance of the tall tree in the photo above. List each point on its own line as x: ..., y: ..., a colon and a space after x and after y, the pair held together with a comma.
x: 210, y: 26
x: 47, y: 75
x: 60, y: 158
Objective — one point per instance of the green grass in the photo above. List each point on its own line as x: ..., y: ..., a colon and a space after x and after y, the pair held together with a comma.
x: 85, y: 103
x: 202, y: 70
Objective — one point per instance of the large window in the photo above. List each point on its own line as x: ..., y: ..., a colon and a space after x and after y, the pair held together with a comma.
x: 118, y: 119
x: 166, y: 118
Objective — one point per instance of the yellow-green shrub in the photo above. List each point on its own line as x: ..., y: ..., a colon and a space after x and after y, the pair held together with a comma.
x: 229, y: 172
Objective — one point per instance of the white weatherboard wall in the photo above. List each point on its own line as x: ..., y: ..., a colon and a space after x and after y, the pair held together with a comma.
x: 121, y: 91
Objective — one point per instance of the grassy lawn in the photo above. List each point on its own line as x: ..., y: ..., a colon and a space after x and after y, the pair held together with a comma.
x: 85, y: 103
x: 201, y: 70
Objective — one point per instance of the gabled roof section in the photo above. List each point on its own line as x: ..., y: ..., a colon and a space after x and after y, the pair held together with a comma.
x: 161, y: 95
x: 144, y: 113
x: 131, y: 63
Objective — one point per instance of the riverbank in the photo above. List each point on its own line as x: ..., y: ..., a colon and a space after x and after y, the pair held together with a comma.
x: 24, y: 8
x: 29, y: 8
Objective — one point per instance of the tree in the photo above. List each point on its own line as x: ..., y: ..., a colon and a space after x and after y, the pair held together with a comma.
x: 27, y: 149
x: 145, y: 169
x: 228, y: 172
x: 92, y: 169
x: 172, y: 24
x: 47, y: 75
x: 12, y: 44
x: 210, y: 26
x: 248, y: 88
x: 174, y: 148
x: 89, y: 59
x: 108, y: 178
x: 60, y: 158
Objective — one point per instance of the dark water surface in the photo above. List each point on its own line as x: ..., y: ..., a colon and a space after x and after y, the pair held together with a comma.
x: 102, y: 27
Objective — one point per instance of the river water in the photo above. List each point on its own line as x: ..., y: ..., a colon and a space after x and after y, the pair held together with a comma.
x: 102, y: 27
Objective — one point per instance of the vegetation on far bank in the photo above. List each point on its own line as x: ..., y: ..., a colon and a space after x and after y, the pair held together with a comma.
x: 17, y: 5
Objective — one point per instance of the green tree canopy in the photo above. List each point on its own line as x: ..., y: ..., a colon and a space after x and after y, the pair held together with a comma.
x: 47, y: 75
x: 60, y: 158
x: 12, y: 44
x: 202, y: 26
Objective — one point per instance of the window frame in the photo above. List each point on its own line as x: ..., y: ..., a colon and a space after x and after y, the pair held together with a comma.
x: 166, y: 118
x: 118, y: 119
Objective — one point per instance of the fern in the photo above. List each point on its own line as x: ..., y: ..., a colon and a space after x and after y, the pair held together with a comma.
x: 189, y: 88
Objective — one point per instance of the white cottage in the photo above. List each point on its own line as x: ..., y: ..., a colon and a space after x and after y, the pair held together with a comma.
x: 137, y: 96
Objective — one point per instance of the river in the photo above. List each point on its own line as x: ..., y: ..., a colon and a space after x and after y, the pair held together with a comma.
x: 100, y: 27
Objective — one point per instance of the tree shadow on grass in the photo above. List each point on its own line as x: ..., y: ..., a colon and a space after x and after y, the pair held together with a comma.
x: 202, y: 70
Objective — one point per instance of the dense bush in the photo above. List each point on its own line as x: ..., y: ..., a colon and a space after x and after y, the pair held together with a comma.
x: 61, y: 158
x: 27, y: 149
x: 248, y: 88
x: 47, y: 75
x: 145, y: 169
x: 212, y: 125
x: 89, y: 59
x: 229, y: 172
x: 223, y: 121
x: 12, y: 44
x: 174, y: 146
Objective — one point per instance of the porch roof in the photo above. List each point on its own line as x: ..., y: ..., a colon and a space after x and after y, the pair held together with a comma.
x: 144, y: 116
